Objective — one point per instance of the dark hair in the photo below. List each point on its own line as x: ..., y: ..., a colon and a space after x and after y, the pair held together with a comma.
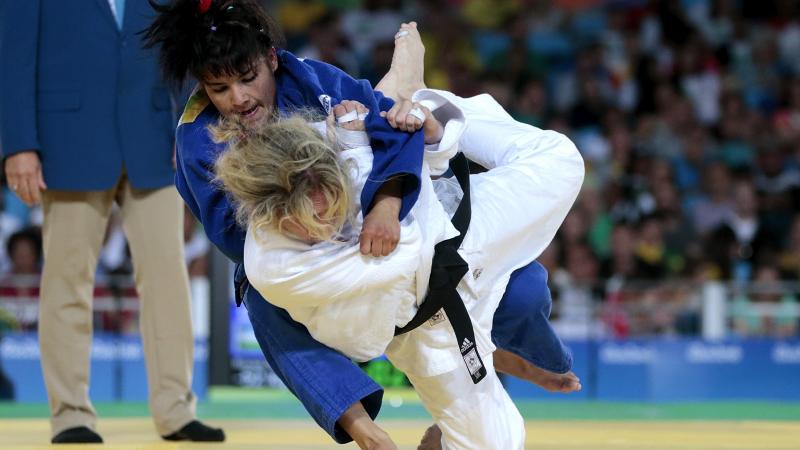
x: 227, y: 39
x: 32, y: 235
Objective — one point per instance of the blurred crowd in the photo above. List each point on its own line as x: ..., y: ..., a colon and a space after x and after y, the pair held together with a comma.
x: 686, y: 112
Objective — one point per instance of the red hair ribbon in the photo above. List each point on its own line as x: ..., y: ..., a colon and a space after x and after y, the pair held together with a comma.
x: 203, y: 6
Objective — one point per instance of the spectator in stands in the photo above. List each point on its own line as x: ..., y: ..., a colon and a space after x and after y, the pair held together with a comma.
x: 327, y: 43
x: 599, y: 222
x: 658, y: 134
x: 753, y: 239
x: 9, y: 224
x: 715, y: 205
x: 689, y: 164
x: 776, y: 181
x: 650, y: 250
x: 115, y: 258
x: 679, y: 236
x: 787, y: 118
x: 531, y: 105
x: 767, y: 309
x: 576, y: 285
x: 574, y: 229
x: 7, y: 322
x: 375, y: 22
x: 22, y: 280
x: 25, y: 251
x: 621, y: 264
x: 789, y: 258
x: 736, y: 130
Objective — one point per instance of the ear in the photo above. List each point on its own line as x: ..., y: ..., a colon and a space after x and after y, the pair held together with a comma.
x: 272, y: 59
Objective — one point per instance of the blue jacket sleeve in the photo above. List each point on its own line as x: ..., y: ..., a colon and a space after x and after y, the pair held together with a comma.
x: 19, y: 25
x: 195, y: 157
x: 395, y: 153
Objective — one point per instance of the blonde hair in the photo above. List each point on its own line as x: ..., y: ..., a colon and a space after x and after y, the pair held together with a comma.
x: 272, y: 170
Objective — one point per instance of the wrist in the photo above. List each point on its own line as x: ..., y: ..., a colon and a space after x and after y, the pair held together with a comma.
x: 433, y: 130
x: 388, y: 203
x: 388, y: 198
x: 371, y: 437
x: 360, y: 426
x: 434, y: 136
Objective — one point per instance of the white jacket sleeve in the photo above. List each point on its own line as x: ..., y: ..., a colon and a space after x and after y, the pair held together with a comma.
x: 293, y: 274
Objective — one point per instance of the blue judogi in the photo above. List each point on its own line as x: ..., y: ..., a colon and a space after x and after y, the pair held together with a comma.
x: 521, y: 323
x: 325, y: 381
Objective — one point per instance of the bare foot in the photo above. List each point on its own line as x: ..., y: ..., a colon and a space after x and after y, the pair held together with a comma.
x: 407, y: 72
x: 512, y: 364
x: 432, y: 439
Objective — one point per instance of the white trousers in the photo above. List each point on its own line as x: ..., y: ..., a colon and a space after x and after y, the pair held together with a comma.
x: 472, y: 416
x: 517, y: 206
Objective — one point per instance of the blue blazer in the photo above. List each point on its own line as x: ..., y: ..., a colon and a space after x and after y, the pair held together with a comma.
x: 84, y: 94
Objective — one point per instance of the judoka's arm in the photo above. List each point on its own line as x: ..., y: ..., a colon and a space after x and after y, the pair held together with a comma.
x: 380, y: 232
x: 292, y: 274
x: 397, y: 155
x: 359, y: 425
x: 393, y: 185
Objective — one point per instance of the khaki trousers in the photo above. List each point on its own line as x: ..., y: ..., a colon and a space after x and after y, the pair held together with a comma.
x: 73, y: 231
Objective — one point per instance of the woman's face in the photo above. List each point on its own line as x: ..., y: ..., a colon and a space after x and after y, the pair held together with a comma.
x: 250, y: 96
x: 299, y: 231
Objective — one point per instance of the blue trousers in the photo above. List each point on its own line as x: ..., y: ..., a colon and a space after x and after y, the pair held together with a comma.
x: 521, y: 322
x: 327, y: 382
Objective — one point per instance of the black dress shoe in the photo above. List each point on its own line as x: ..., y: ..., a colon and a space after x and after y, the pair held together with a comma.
x: 77, y: 435
x: 197, y: 431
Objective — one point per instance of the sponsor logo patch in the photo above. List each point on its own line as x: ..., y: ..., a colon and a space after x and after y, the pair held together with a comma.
x: 473, y: 362
x: 437, y: 318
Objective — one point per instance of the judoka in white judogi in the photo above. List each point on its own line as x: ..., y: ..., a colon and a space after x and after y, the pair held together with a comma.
x: 353, y: 302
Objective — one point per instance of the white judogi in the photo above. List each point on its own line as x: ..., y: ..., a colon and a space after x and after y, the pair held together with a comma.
x: 353, y: 302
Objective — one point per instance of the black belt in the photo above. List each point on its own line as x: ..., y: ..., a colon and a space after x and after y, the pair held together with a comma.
x: 240, y: 284
x: 447, y: 270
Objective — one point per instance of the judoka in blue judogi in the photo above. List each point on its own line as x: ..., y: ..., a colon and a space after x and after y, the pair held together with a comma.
x: 326, y: 382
